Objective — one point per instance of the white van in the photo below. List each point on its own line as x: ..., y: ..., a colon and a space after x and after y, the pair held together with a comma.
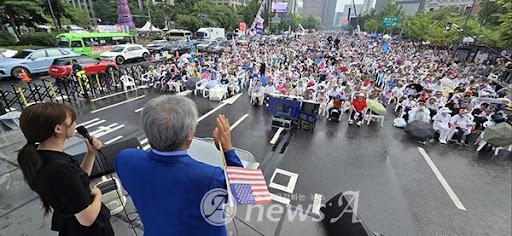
x: 178, y: 34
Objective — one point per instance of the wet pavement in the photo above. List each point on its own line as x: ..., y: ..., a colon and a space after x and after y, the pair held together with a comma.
x: 399, y: 193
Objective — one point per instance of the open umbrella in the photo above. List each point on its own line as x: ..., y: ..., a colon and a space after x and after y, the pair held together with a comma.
x: 264, y: 80
x: 419, y: 130
x: 417, y: 87
x: 376, y: 107
x: 499, y: 135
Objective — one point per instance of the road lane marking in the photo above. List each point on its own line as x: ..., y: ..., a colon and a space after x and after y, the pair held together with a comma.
x: 117, y: 104
x: 222, y: 104
x: 211, y: 112
x: 233, y: 126
x: 280, y: 199
x: 184, y: 93
x: 441, y: 179
x: 113, y: 140
x: 290, y: 186
x: 317, y: 201
x: 94, y: 124
x: 102, y: 128
x: 88, y: 122
x: 112, y: 95
x: 276, y: 136
x: 111, y: 130
x: 233, y: 99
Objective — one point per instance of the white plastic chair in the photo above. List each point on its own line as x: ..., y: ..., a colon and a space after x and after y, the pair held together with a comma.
x: 201, y: 86
x: 371, y: 116
x: 217, y: 93
x: 128, y: 81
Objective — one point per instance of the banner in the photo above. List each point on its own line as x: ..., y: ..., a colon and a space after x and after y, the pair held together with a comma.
x: 280, y: 7
x: 258, y: 20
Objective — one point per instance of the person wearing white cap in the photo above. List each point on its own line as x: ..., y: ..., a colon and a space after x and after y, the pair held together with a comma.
x: 441, y: 124
x: 461, y: 123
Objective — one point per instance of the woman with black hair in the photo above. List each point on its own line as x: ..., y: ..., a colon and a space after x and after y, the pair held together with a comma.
x: 61, y: 183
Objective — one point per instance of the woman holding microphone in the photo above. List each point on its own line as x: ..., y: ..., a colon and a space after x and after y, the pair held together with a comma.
x: 60, y: 181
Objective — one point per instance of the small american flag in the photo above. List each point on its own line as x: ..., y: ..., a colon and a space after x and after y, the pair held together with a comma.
x: 247, y: 186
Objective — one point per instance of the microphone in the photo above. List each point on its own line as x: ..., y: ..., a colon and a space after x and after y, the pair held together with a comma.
x: 85, y: 133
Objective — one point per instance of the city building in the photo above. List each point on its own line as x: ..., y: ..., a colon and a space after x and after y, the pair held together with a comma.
x: 359, y: 8
x: 85, y: 5
x: 338, y: 17
x: 295, y: 6
x: 368, y: 5
x: 380, y: 5
x: 328, y: 13
x: 411, y: 7
x: 312, y: 8
x: 463, y: 6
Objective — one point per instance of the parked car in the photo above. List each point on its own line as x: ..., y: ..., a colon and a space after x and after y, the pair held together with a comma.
x: 32, y: 61
x: 216, y: 47
x: 61, y: 67
x: 122, y: 53
x: 157, y: 46
x: 202, y: 45
x: 179, y: 46
x: 4, y: 52
x: 242, y: 40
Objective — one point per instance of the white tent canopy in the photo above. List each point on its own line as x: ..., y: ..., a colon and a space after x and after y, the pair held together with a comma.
x: 148, y: 27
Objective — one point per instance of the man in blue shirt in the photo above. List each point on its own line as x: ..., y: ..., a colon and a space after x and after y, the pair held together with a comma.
x: 166, y: 184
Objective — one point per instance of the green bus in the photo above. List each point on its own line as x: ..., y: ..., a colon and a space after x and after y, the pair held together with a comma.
x: 92, y: 44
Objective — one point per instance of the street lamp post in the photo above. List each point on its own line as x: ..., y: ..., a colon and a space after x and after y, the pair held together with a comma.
x: 463, y: 30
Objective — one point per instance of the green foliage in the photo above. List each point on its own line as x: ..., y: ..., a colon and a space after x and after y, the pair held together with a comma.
x: 505, y: 19
x: 21, y: 12
x: 311, y: 22
x: 38, y: 39
x: 65, y: 13
x: 6, y: 39
x: 489, y: 13
x: 106, y: 10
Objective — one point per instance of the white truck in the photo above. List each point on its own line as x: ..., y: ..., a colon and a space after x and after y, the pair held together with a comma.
x: 211, y: 33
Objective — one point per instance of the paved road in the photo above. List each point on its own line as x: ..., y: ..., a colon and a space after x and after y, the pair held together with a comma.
x: 400, y: 193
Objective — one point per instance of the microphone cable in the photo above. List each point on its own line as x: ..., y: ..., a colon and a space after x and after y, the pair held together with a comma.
x: 119, y: 195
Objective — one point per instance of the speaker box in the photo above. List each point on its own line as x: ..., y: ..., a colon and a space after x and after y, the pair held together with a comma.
x: 106, y: 161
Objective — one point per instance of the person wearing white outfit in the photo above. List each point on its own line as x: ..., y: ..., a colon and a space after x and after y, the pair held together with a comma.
x: 441, y: 124
x: 462, y: 124
x: 419, y: 113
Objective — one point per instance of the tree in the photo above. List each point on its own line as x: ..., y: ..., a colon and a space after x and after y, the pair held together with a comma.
x: 249, y: 12
x: 64, y: 11
x: 311, y: 22
x: 489, y: 13
x: 371, y: 25
x: 505, y: 19
x: 21, y: 12
x: 106, y: 10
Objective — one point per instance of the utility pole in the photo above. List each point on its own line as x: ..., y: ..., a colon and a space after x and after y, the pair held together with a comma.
x: 53, y: 15
x: 463, y: 31
x: 355, y: 13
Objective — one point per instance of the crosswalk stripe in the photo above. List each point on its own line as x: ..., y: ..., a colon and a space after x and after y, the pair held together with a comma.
x: 88, y: 122
x: 111, y: 130
x: 102, y: 128
x: 94, y: 124
x: 113, y: 140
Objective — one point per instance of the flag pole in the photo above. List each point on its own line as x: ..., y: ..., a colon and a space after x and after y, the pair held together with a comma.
x: 224, y: 165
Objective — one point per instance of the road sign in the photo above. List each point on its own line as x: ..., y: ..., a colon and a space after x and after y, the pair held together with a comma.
x: 389, y: 22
